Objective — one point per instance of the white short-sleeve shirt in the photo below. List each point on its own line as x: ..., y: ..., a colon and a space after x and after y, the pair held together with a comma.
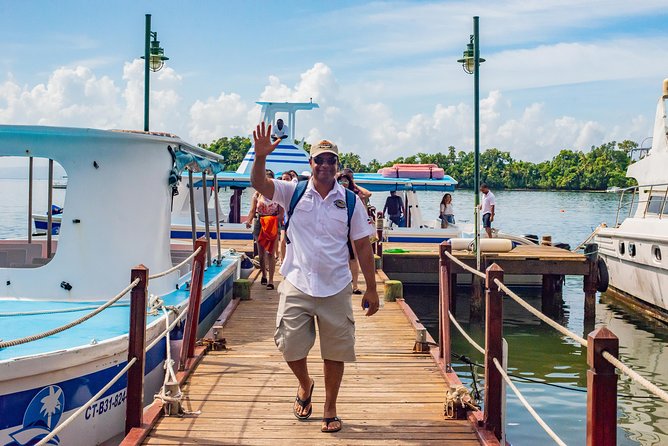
x: 316, y: 259
x: 281, y: 132
x: 487, y: 202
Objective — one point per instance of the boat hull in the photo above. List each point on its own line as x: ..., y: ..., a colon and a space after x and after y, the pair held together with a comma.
x: 640, y: 272
x: 71, y: 377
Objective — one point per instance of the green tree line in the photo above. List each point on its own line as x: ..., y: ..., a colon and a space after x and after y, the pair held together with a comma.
x: 601, y: 167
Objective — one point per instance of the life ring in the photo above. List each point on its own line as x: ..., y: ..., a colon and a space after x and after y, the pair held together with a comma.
x: 603, y: 278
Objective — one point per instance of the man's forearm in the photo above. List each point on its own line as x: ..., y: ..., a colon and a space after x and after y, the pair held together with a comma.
x: 367, y: 263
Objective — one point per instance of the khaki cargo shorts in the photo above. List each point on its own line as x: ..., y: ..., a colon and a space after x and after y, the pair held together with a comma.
x: 295, y: 324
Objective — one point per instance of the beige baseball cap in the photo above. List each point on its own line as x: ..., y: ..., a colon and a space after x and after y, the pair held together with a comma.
x: 324, y: 146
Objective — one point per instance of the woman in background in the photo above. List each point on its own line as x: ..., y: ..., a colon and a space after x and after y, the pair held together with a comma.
x: 266, y: 214
x: 446, y: 211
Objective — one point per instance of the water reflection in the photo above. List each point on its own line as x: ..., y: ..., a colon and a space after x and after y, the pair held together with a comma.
x: 539, y: 352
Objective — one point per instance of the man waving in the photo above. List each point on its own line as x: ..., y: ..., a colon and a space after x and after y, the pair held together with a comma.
x: 317, y: 284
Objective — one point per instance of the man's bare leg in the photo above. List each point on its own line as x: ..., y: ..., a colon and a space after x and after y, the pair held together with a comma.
x: 333, y: 376
x: 489, y: 232
x: 300, y: 370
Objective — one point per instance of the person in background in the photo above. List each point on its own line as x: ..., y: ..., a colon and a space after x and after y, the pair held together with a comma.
x: 346, y: 180
x: 487, y: 207
x: 446, y: 211
x: 363, y: 193
x: 280, y: 131
x: 293, y: 176
x: 394, y: 208
x: 266, y: 215
x: 316, y: 288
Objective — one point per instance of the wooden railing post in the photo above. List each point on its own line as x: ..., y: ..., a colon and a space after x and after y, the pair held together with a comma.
x: 134, y: 404
x: 444, y: 289
x: 194, y: 301
x: 493, y: 349
x: 601, y: 388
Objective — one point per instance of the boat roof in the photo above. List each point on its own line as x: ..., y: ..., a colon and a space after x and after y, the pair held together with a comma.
x: 374, y: 182
x: 288, y: 106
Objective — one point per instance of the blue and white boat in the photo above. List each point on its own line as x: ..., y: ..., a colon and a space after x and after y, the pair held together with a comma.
x: 117, y: 215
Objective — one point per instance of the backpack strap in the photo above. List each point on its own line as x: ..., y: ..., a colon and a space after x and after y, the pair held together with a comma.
x: 350, y: 205
x: 296, y: 196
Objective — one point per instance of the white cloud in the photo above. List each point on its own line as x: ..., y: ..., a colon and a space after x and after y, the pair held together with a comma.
x: 358, y: 122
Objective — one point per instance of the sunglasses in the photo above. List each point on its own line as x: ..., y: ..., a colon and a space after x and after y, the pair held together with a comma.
x: 331, y: 160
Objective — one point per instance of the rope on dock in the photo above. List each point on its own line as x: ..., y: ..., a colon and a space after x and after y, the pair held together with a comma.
x: 82, y: 319
x: 652, y: 388
x: 465, y: 266
x: 175, y: 267
x: 95, y: 397
x: 526, y: 404
x: 560, y: 328
x: 635, y: 376
x: 466, y: 336
x: 581, y: 245
x: 169, y: 328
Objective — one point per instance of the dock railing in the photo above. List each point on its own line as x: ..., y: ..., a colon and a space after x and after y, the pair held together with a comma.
x: 137, y: 347
x: 602, y: 356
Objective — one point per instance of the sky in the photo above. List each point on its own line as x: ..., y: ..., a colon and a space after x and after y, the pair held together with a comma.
x: 558, y: 74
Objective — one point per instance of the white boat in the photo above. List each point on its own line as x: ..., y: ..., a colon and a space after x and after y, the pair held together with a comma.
x: 108, y: 227
x: 634, y: 248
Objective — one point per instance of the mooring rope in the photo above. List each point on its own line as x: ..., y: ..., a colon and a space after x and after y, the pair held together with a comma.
x: 652, y: 388
x: 95, y: 397
x: 82, y: 319
x: 526, y: 404
x: 59, y: 310
x: 581, y: 245
x: 635, y: 376
x: 171, y: 326
x: 466, y: 336
x: 175, y: 267
x: 465, y: 266
x: 539, y: 315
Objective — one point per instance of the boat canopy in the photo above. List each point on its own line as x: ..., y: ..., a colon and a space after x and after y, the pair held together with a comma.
x: 372, y: 181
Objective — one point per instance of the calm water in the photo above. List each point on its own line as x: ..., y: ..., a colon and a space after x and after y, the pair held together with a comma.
x: 535, y: 350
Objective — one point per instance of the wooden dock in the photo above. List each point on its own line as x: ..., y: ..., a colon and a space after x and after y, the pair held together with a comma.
x: 244, y: 395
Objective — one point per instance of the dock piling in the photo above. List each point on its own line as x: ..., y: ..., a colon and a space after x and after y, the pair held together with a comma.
x: 589, y: 286
x: 134, y: 404
x: 601, y: 388
x: 493, y: 349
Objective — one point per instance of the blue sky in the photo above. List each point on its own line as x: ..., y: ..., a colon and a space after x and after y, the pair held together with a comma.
x: 567, y: 74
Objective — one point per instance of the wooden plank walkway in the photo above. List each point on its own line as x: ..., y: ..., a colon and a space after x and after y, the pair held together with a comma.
x: 245, y: 394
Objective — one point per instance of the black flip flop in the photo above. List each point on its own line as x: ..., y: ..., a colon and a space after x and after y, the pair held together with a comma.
x: 358, y: 291
x: 263, y: 281
x: 270, y: 286
x: 303, y: 404
x: 329, y: 420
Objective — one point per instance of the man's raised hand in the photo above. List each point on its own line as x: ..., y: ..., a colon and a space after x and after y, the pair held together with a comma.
x: 262, y: 140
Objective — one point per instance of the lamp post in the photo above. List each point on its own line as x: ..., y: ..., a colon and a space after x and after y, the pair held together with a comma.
x: 154, y: 60
x: 471, y: 61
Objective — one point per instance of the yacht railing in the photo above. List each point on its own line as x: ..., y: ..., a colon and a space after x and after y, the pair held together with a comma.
x: 653, y: 205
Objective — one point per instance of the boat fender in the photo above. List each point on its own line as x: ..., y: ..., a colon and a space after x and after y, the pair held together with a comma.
x: 603, y: 277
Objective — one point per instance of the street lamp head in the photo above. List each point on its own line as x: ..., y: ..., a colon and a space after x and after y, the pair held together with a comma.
x: 468, y: 58
x: 157, y: 56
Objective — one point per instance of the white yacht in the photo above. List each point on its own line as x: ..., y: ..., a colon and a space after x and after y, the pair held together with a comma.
x: 633, y: 249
